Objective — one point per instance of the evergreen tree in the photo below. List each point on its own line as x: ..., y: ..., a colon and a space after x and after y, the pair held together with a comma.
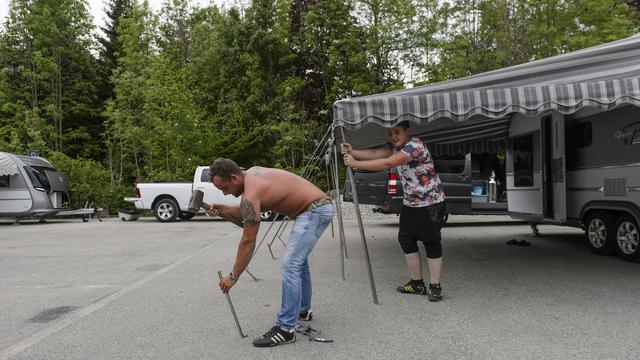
x: 49, y: 77
x: 110, y: 45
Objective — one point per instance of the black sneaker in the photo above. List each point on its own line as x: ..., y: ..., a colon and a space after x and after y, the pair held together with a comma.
x: 275, y: 336
x: 306, y: 316
x: 435, y: 292
x: 410, y: 288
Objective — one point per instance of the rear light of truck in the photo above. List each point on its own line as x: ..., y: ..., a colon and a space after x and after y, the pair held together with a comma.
x: 137, y: 191
x: 392, y: 184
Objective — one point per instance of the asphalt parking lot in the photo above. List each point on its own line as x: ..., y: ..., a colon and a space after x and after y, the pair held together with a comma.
x: 146, y: 290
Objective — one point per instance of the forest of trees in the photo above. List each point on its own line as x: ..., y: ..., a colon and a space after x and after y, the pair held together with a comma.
x: 149, y: 96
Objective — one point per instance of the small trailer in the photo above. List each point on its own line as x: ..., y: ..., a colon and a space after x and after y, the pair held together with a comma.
x: 32, y: 187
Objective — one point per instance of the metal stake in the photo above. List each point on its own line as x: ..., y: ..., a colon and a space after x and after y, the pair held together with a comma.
x: 233, y: 311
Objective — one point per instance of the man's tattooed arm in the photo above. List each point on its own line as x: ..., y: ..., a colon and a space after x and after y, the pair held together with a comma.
x: 248, y: 213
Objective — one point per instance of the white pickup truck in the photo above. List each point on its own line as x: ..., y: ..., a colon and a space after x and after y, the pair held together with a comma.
x: 170, y: 201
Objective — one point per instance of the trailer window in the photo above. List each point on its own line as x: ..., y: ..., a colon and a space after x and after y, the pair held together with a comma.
x: 578, y: 135
x: 4, y: 181
x: 38, y: 178
x: 523, y: 161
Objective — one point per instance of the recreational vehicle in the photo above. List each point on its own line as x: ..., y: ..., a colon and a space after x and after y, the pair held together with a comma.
x: 31, y: 187
x: 572, y: 130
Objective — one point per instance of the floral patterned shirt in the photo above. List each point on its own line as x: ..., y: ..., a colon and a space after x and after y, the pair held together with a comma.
x: 420, y: 182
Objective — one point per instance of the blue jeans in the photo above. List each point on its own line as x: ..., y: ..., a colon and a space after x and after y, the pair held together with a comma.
x: 296, y: 278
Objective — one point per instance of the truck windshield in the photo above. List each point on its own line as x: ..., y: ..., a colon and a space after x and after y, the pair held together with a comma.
x: 38, y: 177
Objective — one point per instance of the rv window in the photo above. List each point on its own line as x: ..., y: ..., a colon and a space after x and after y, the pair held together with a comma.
x: 578, y: 135
x: 38, y: 178
x: 4, y: 181
x: 523, y: 160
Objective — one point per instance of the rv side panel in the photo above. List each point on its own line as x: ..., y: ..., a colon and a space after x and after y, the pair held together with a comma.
x: 603, y: 159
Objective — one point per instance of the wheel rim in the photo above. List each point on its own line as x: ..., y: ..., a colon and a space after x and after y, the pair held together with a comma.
x: 265, y: 215
x: 597, y: 232
x: 628, y: 237
x: 165, y: 211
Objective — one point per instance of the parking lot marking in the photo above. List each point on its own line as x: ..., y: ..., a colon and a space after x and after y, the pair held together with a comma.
x: 80, y: 314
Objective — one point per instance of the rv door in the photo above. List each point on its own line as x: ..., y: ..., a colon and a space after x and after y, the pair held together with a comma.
x: 555, y: 189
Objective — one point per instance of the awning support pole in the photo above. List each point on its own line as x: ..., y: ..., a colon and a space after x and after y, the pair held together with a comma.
x: 362, y: 237
x: 336, y: 185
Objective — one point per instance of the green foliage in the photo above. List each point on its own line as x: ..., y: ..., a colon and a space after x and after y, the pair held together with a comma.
x: 168, y: 91
x: 89, y: 182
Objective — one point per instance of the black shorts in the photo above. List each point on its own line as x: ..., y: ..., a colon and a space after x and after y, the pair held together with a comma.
x: 421, y: 224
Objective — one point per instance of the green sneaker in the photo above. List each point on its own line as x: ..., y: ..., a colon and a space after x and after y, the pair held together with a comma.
x: 410, y: 288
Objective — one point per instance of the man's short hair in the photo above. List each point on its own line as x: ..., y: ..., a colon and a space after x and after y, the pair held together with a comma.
x: 224, y: 168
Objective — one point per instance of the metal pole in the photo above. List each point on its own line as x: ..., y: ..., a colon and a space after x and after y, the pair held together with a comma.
x: 233, y: 311
x: 327, y: 160
x: 264, y: 236
x: 250, y: 274
x: 337, y: 185
x: 362, y: 237
x: 339, y: 207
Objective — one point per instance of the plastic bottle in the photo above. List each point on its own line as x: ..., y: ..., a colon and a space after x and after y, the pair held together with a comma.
x: 492, y: 188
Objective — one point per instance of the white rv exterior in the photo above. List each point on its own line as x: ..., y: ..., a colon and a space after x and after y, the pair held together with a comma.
x: 579, y: 170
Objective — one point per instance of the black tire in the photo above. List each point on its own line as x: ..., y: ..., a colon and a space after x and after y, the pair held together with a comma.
x: 627, y: 235
x: 185, y: 215
x: 268, y: 215
x: 600, y: 232
x: 166, y: 210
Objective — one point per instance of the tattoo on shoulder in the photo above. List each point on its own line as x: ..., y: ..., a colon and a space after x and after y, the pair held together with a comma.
x: 248, y: 213
x: 256, y: 171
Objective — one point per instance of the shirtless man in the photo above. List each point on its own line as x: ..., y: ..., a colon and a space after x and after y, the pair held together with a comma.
x: 266, y: 189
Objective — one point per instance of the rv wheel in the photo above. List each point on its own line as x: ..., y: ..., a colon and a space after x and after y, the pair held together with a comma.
x: 166, y: 210
x: 600, y: 233
x: 627, y: 238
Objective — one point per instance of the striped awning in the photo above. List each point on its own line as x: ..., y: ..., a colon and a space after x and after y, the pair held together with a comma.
x: 601, y: 77
x: 494, y: 103
x: 7, y: 165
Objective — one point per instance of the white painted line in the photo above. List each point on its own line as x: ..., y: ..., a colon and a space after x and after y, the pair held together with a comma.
x: 78, y: 315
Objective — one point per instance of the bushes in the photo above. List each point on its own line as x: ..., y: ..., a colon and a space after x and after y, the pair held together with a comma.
x: 89, y: 181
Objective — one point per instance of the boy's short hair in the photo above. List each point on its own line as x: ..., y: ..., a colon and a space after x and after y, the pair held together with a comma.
x: 404, y: 124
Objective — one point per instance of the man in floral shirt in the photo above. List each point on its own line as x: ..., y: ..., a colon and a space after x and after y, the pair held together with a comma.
x: 422, y: 206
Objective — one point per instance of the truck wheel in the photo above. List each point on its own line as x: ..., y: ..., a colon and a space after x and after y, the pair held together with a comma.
x: 185, y: 215
x: 627, y: 238
x: 268, y: 215
x: 166, y: 210
x: 600, y: 233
